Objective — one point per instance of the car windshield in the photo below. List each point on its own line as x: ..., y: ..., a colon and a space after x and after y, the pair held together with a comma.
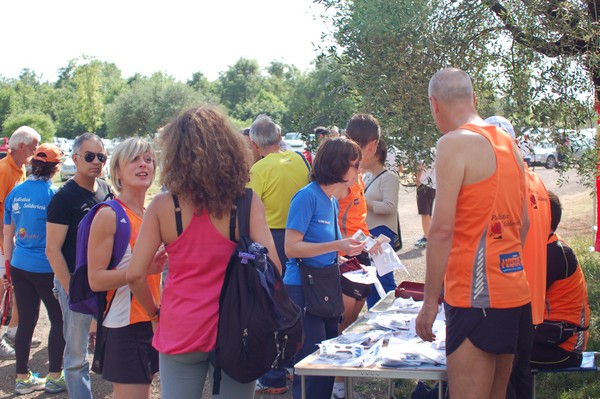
x: 292, y: 136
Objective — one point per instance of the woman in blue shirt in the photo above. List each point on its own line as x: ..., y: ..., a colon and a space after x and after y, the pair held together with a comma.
x: 30, y: 271
x: 313, y: 235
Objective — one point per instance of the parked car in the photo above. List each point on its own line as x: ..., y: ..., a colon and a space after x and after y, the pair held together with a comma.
x: 295, y: 142
x: 3, y: 147
x: 544, y: 153
x: 67, y: 169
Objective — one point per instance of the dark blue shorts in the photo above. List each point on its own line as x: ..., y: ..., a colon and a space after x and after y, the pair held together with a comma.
x: 491, y: 330
x: 425, y: 198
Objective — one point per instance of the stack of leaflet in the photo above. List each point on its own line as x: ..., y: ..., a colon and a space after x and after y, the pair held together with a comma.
x: 351, y: 349
x: 410, y: 353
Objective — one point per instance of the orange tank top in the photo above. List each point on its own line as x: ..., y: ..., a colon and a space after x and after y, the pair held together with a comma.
x: 485, y: 269
x: 534, y: 251
x: 125, y: 309
x: 353, y: 210
x: 567, y: 300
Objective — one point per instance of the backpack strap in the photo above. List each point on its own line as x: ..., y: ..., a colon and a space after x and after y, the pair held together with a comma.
x: 122, y: 232
x: 244, y: 204
x: 178, y: 221
x: 304, y: 159
x: 232, y: 218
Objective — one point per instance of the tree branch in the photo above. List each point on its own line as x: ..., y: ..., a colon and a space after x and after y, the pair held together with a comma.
x: 570, y: 43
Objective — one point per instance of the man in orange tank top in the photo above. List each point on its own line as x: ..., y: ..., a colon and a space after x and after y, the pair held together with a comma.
x: 474, y: 246
x: 534, y: 262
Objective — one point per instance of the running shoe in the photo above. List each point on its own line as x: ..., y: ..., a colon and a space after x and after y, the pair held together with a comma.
x: 265, y: 390
x: 7, y: 352
x: 421, y: 242
x: 55, y: 385
x: 32, y: 383
x: 11, y: 340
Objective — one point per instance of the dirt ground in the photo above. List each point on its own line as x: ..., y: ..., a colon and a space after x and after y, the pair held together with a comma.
x: 578, y: 218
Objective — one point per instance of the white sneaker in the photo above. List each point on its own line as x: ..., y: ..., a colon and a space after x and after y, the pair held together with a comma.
x: 7, y: 352
x: 35, y: 342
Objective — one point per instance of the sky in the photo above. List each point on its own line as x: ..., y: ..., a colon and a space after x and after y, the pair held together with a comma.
x: 179, y: 37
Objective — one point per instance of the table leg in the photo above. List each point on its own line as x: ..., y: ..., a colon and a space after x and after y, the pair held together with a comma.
x: 303, y: 386
x: 440, y: 389
x: 349, y: 387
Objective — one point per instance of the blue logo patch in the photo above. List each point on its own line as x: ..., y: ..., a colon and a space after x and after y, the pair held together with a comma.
x: 510, y: 263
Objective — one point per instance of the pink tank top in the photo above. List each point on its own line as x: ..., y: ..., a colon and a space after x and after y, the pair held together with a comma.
x: 189, y: 312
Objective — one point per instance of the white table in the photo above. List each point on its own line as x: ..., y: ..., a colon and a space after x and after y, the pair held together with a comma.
x: 307, y: 367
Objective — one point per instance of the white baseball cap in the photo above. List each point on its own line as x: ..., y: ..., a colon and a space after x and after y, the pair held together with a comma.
x: 503, y: 124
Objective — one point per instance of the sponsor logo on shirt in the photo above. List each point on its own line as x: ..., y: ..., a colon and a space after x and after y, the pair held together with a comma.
x: 510, y: 263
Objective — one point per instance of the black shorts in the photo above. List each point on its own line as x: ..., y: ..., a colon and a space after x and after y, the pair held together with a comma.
x: 425, y: 198
x: 355, y: 290
x: 129, y: 357
x: 491, y: 330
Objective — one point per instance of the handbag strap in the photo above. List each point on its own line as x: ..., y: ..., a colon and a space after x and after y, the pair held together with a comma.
x: 375, y: 178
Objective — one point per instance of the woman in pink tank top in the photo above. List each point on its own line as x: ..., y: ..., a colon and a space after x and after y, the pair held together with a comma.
x: 205, y: 166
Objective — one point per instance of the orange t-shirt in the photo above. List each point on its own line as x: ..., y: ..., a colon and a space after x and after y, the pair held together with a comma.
x: 10, y: 176
x: 485, y: 269
x: 534, y: 251
x: 567, y: 300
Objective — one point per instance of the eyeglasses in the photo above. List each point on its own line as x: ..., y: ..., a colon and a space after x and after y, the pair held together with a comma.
x: 90, y: 156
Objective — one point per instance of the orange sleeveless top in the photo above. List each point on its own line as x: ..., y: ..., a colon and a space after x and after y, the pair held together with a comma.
x: 485, y: 269
x: 567, y: 300
x: 534, y: 251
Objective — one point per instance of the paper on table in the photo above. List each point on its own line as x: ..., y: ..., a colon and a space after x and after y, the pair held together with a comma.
x: 366, y: 276
x: 387, y: 260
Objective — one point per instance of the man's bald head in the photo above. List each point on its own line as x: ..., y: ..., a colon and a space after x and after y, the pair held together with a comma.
x: 451, y: 84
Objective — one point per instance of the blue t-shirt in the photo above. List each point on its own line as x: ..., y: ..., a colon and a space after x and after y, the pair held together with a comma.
x: 313, y: 214
x: 25, y: 207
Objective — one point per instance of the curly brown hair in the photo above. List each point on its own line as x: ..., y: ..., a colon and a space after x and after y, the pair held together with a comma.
x: 204, y: 159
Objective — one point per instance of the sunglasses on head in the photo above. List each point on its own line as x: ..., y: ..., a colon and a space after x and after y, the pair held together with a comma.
x: 90, y: 156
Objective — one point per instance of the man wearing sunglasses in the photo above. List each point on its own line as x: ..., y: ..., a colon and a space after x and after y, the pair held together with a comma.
x: 66, y: 209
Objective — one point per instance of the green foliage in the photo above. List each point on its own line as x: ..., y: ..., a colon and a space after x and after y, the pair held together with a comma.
x: 149, y: 104
x: 41, y: 123
x: 87, y: 86
x: 320, y: 98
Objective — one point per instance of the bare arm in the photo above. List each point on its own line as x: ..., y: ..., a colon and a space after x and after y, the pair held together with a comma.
x: 9, y: 241
x: 296, y: 247
x: 143, y: 257
x: 100, y: 247
x: 450, y: 170
x: 55, y: 238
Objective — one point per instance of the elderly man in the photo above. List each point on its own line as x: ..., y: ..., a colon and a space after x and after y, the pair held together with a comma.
x: 276, y: 177
x: 474, y: 246
x: 22, y: 144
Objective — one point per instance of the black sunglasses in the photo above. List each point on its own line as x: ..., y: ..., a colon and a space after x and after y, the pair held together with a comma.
x: 90, y: 156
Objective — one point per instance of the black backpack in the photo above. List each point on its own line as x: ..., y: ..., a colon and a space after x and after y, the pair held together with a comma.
x: 259, y: 325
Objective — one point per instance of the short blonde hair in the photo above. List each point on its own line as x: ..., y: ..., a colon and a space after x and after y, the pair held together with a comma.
x: 125, y: 153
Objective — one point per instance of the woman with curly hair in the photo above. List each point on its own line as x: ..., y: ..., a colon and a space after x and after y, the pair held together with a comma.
x: 205, y: 167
